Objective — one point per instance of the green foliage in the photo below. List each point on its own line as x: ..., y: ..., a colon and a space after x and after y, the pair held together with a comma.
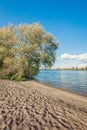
x: 24, y: 49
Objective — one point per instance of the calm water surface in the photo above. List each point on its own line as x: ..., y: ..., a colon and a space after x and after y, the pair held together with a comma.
x: 71, y: 80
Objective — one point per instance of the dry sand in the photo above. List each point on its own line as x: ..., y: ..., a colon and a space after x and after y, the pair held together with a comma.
x: 32, y: 106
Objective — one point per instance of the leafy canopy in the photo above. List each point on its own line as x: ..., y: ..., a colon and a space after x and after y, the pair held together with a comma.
x: 24, y: 49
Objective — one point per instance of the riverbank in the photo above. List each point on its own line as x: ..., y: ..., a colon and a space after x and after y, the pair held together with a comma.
x: 32, y: 106
x: 74, y: 81
x: 61, y: 88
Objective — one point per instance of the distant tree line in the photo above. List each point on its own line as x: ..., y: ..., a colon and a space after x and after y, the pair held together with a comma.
x: 73, y: 68
x: 24, y: 49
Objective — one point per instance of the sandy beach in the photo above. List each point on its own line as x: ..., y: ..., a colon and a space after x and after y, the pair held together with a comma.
x: 32, y: 106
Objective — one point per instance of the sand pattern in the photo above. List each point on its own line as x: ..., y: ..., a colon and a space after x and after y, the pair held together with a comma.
x: 32, y: 106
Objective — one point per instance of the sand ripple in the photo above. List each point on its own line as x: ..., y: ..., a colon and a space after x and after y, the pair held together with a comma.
x: 31, y: 106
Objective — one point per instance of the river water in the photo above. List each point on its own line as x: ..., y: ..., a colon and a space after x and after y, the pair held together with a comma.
x: 71, y: 80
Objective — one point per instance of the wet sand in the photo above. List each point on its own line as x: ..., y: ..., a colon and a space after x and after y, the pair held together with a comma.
x: 32, y: 106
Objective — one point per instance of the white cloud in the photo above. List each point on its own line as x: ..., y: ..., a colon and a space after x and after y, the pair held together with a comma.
x: 68, y: 60
x: 82, y: 57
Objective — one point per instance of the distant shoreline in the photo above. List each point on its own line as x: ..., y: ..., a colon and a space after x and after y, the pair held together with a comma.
x: 66, y: 69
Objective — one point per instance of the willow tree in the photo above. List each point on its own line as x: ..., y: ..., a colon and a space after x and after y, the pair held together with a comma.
x: 7, y: 51
x: 33, y: 47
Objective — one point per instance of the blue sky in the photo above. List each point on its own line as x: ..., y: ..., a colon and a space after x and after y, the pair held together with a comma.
x: 65, y: 19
